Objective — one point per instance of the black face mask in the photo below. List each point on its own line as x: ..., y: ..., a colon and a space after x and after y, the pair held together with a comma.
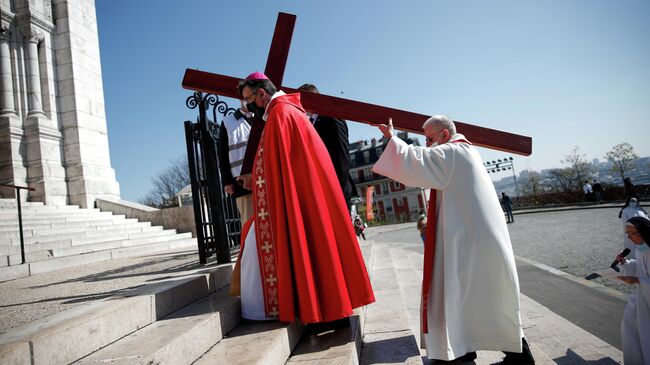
x: 253, y: 108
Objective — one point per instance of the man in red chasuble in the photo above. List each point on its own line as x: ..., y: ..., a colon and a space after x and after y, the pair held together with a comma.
x: 300, y: 258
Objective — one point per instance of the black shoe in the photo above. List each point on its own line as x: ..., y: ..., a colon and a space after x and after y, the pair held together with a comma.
x: 470, y: 356
x: 519, y: 358
x: 320, y: 327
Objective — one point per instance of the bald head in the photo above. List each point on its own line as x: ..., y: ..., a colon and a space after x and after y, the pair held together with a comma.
x: 440, y: 122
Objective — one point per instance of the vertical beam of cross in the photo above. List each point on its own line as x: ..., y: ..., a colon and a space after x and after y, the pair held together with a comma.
x: 279, y: 52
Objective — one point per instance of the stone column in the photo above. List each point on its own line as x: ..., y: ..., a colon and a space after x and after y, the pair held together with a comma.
x: 34, y: 103
x: 7, y: 106
x: 12, y: 167
x: 89, y: 174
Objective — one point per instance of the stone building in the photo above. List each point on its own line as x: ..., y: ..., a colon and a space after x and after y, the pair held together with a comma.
x: 392, y: 202
x: 53, y: 134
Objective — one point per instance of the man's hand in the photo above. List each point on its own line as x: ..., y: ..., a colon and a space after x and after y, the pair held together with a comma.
x: 229, y: 189
x: 629, y: 279
x: 387, y: 129
x: 246, y: 181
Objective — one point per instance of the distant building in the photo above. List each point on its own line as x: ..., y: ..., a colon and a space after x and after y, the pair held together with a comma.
x: 392, y: 201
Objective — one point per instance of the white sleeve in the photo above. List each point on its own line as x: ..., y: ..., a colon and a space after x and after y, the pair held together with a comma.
x: 629, y: 268
x: 415, y: 165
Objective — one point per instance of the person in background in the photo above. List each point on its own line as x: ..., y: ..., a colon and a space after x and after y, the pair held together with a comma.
x: 635, y: 327
x: 359, y: 227
x: 587, y: 190
x: 632, y: 210
x: 598, y: 191
x: 506, y: 202
x: 233, y: 138
x: 630, y: 192
x: 422, y: 224
x: 334, y: 133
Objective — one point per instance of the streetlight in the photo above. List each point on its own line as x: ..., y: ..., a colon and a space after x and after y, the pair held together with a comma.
x: 502, y: 165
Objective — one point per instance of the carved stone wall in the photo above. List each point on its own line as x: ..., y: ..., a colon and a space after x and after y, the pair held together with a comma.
x: 53, y: 134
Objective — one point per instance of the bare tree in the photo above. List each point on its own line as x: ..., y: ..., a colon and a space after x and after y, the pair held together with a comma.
x: 561, y: 180
x: 530, y: 183
x: 167, y: 183
x: 622, y: 157
x: 579, y: 168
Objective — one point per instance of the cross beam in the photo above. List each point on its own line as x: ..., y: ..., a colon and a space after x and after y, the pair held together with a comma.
x: 345, y: 108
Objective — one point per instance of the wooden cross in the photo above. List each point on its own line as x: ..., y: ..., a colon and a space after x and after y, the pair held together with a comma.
x: 345, y: 108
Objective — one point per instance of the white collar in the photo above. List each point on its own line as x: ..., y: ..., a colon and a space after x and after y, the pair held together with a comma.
x: 266, y: 112
x: 456, y: 137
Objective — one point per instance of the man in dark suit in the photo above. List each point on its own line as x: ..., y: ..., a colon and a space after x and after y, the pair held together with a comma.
x: 334, y: 133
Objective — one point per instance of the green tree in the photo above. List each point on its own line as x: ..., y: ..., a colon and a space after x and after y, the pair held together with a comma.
x: 622, y: 157
x: 579, y: 168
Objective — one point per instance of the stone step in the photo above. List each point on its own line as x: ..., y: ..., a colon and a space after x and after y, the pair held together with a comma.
x: 11, y: 203
x: 88, y: 222
x: 160, y: 244
x: 265, y: 343
x: 563, y: 341
x: 79, y: 215
x: 130, y: 242
x: 69, y: 336
x: 179, y: 338
x: 42, y: 236
x: 552, y: 338
x: 338, y: 346
x: 387, y: 320
x: 45, y: 211
x: 46, y: 244
x: 89, y: 237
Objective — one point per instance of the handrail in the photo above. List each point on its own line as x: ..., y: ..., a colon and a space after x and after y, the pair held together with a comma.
x: 20, y: 216
x: 18, y: 187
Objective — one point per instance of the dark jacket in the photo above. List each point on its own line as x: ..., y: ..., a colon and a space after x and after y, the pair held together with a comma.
x: 334, y: 133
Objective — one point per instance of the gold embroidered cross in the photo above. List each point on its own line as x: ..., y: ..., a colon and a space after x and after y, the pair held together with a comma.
x: 262, y: 214
x: 260, y: 182
x: 274, y: 312
x: 266, y: 247
x: 271, y: 280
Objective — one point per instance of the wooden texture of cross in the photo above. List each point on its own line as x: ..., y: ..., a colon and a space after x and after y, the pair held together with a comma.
x: 345, y: 108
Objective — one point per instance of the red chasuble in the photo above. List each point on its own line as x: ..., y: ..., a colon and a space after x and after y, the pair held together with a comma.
x: 310, y: 262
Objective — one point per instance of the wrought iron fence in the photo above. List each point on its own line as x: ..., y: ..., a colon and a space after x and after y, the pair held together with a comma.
x: 218, y: 226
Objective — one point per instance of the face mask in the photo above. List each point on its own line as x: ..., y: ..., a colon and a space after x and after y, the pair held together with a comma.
x: 643, y: 247
x: 251, y: 107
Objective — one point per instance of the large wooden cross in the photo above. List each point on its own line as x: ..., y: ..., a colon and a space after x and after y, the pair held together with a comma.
x: 345, y: 108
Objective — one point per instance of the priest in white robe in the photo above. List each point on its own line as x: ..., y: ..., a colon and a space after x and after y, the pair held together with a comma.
x: 470, y: 290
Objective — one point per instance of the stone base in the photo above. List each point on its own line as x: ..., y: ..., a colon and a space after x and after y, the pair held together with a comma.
x: 12, y: 153
x: 45, y: 171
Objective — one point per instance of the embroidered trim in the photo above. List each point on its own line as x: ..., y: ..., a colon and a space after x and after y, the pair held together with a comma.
x: 264, y: 237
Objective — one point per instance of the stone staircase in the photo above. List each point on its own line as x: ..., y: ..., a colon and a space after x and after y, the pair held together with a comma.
x: 189, y: 320
x: 58, y: 237
x: 192, y: 320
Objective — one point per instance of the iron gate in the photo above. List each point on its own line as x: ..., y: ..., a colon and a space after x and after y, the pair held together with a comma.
x: 218, y: 226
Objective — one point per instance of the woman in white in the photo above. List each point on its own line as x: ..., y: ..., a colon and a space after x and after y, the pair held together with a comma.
x: 632, y: 210
x: 635, y: 328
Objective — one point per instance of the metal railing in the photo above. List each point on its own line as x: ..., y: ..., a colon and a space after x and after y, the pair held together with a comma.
x: 218, y: 226
x: 20, y: 216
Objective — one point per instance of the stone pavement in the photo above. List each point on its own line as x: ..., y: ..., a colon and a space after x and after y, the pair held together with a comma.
x: 393, y: 320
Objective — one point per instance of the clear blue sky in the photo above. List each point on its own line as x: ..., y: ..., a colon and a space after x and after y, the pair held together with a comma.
x: 566, y: 73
